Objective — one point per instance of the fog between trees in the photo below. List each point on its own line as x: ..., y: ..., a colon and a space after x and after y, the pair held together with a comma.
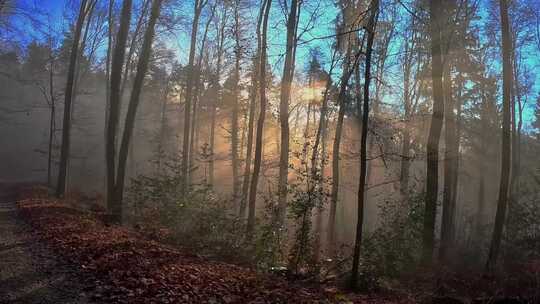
x: 205, y: 101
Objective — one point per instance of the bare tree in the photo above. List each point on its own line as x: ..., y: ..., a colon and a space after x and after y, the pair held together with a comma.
x: 265, y: 12
x: 193, y: 144
x: 236, y: 98
x: 432, y: 177
x: 505, y: 148
x: 142, y: 67
x: 450, y: 156
x: 70, y: 84
x: 372, y: 23
x: 251, y: 120
x: 220, y: 50
x: 286, y: 83
x: 117, y: 64
x: 198, y: 7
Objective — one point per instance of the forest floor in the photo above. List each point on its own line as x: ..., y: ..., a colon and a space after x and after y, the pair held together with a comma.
x: 54, y: 252
x: 29, y: 271
x: 57, y: 251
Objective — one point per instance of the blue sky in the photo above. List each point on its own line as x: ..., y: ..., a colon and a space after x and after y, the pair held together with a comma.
x: 324, y: 26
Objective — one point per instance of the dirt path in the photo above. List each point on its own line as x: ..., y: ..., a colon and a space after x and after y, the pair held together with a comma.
x: 29, y: 272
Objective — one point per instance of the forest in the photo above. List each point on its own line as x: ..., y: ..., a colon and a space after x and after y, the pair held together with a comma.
x: 269, y: 151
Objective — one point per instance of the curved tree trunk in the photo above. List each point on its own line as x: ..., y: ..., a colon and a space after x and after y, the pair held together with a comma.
x: 432, y: 176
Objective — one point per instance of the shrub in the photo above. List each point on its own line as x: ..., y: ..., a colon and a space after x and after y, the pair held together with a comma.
x: 394, y: 247
x: 197, y: 219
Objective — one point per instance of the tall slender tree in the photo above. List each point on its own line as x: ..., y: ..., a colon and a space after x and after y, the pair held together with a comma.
x: 286, y: 84
x: 251, y: 120
x: 505, y: 148
x: 219, y: 65
x: 116, y: 190
x: 371, y: 26
x: 265, y: 8
x: 68, y: 99
x: 432, y: 177
x: 197, y: 10
x: 236, y: 99
x: 114, y: 104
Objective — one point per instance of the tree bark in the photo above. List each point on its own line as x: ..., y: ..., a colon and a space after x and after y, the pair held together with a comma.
x: 432, y: 176
x: 320, y: 135
x: 142, y: 67
x: 251, y: 120
x: 52, y: 118
x: 286, y: 83
x: 110, y: 30
x: 372, y: 23
x: 409, y: 108
x: 66, y: 124
x: 133, y: 45
x: 479, y: 225
x: 221, y: 41
x: 193, y: 139
x: 199, y: 4
x: 114, y: 110
x: 260, y: 122
x: 346, y: 75
x: 236, y: 98
x: 505, y: 148
x: 449, y: 160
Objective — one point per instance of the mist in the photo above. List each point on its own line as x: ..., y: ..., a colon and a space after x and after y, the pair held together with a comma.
x: 360, y: 144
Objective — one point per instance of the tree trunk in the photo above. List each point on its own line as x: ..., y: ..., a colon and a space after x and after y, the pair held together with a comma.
x: 236, y: 98
x: 286, y: 83
x: 405, y: 161
x: 142, y: 67
x: 505, y: 149
x: 407, y: 117
x: 346, y: 74
x: 66, y: 124
x: 114, y: 111
x: 320, y: 135
x: 251, y: 122
x: 193, y: 141
x: 374, y: 7
x: 110, y: 28
x: 163, y: 126
x: 89, y: 12
x: 432, y: 176
x: 132, y: 46
x: 52, y: 122
x: 479, y: 225
x: 449, y: 160
x: 456, y: 161
x: 221, y: 40
x: 260, y: 123
x: 517, y: 121
x: 189, y: 95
